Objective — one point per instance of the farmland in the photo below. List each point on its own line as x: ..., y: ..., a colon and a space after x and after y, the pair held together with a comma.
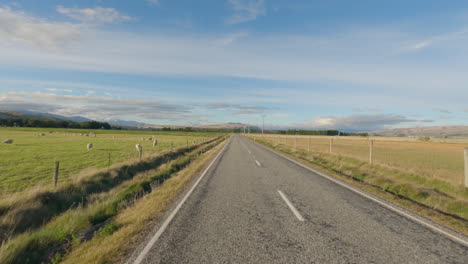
x: 29, y: 161
x: 439, y: 158
x: 92, y: 192
x: 426, y: 177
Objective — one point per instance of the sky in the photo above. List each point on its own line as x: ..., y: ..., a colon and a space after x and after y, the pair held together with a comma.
x: 331, y: 64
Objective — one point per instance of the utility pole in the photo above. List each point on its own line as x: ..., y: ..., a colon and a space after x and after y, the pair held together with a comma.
x: 263, y: 123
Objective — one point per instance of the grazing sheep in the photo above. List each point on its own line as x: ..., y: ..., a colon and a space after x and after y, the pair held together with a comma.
x: 8, y: 141
x: 138, y: 147
x: 155, y: 142
x: 89, y: 146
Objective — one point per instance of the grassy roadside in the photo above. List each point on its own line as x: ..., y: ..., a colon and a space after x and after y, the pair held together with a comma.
x: 113, y: 247
x: 30, y: 210
x: 437, y: 200
x: 69, y: 230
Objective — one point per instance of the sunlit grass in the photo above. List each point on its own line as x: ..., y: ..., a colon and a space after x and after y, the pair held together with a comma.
x: 29, y: 161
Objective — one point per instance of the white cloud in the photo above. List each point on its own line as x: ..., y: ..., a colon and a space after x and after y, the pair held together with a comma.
x: 94, y: 107
x: 360, y: 122
x: 59, y: 90
x: 93, y: 15
x: 246, y: 10
x: 239, y: 109
x: 153, y: 2
x: 20, y: 27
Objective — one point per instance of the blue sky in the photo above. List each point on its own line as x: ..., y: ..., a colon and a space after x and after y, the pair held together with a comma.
x: 351, y: 65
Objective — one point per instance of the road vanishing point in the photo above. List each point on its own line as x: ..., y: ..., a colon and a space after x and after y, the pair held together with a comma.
x: 253, y: 205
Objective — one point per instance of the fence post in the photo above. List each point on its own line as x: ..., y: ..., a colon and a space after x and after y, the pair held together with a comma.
x: 56, y: 173
x: 466, y: 167
x: 331, y: 145
x: 371, y: 146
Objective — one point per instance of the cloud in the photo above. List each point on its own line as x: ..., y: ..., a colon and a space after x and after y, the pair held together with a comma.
x: 94, y: 15
x: 246, y: 10
x: 360, y: 122
x: 32, y: 31
x: 94, y: 107
x: 153, y: 2
x: 441, y: 110
x: 59, y: 90
x: 240, y: 109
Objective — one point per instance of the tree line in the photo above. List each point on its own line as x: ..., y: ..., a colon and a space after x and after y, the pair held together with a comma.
x: 27, y: 122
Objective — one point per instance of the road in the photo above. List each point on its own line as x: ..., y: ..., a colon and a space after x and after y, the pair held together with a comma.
x: 254, y: 206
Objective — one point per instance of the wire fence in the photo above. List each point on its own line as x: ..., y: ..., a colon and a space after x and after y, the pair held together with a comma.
x: 30, y: 160
x: 441, y: 160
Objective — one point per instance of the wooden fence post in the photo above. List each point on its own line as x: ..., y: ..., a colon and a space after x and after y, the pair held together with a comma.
x: 466, y: 167
x: 109, y: 161
x: 56, y: 173
x: 371, y: 146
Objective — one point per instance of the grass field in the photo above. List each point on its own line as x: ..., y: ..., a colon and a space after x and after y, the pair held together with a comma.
x: 46, y: 226
x: 429, y: 159
x: 29, y: 161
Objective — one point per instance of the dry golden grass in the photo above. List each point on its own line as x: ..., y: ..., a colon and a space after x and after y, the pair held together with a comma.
x: 440, y: 201
x: 429, y: 159
x: 140, y: 217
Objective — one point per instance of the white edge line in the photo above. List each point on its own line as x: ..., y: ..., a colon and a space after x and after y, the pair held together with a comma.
x: 163, y: 227
x: 291, y: 206
x: 258, y: 163
x: 391, y: 207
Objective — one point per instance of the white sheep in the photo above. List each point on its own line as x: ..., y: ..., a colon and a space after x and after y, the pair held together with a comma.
x: 155, y: 142
x: 138, y: 147
x: 8, y: 141
x: 89, y: 146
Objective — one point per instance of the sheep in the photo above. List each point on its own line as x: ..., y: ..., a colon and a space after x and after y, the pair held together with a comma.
x: 155, y: 142
x: 138, y: 147
x: 89, y: 146
x: 150, y: 139
x: 8, y: 141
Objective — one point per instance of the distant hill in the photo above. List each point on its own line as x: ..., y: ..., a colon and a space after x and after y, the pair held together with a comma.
x: 125, y: 123
x: 228, y: 126
x: 4, y: 114
x: 68, y: 118
x: 434, y: 131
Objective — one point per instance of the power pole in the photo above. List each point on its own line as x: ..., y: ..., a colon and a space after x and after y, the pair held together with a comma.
x: 263, y: 123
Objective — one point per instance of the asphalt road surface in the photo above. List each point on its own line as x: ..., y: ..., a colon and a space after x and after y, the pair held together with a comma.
x: 254, y: 206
